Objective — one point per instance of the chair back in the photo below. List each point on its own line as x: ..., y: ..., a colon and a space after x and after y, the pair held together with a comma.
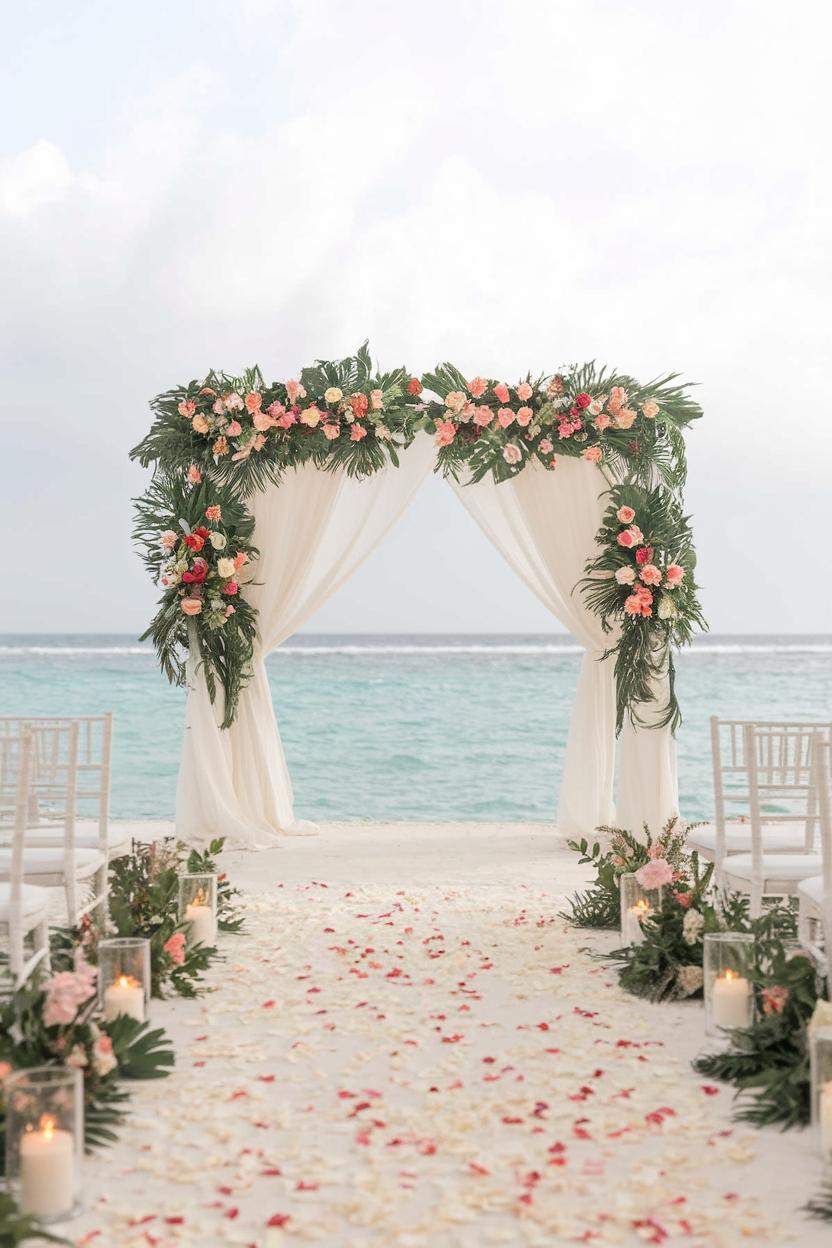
x: 16, y: 761
x: 94, y: 753
x: 822, y: 766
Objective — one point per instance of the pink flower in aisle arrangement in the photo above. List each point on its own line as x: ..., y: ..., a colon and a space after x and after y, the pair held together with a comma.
x: 565, y: 429
x: 199, y: 424
x: 240, y: 560
x: 603, y: 422
x: 627, y: 538
x: 187, y: 408
x: 286, y: 420
x: 650, y: 574
x: 103, y: 1058
x: 168, y: 539
x: 546, y: 446
x: 253, y: 401
x: 626, y: 418
x: 505, y: 416
x: 230, y: 588
x: 512, y: 454
x: 655, y: 874
x: 311, y: 416
x: 295, y: 390
x: 67, y: 991
x: 501, y: 392
x: 626, y: 515
x: 483, y: 415
x: 524, y: 392
x: 617, y: 399
x: 477, y: 387
x: 220, y: 447
x: 593, y: 454
x: 445, y: 432
x: 583, y: 401
x: 194, y: 475
x: 524, y: 416
x: 674, y: 575
x: 775, y: 999
x: 174, y: 947
x: 262, y: 421
x: 357, y: 432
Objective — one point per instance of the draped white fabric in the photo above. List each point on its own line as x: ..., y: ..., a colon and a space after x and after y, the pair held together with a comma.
x: 544, y: 524
x: 313, y: 531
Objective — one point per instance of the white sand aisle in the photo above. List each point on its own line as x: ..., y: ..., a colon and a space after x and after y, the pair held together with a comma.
x: 408, y: 1047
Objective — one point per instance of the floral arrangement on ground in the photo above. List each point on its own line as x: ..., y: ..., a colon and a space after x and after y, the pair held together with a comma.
x: 215, y: 442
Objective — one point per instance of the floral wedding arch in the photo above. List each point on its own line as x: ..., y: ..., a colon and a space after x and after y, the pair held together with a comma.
x: 266, y: 497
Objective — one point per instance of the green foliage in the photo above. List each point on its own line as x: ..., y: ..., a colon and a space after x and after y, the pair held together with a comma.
x: 820, y: 1206
x: 768, y: 1063
x: 20, y: 1228
x: 204, y: 863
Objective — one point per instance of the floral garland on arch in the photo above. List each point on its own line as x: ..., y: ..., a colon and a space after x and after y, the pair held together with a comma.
x: 215, y: 442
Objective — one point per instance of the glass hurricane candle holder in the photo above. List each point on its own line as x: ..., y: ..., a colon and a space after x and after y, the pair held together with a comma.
x: 198, y: 907
x: 45, y: 1140
x: 124, y: 977
x: 637, y: 904
x: 729, y: 996
x: 820, y: 1050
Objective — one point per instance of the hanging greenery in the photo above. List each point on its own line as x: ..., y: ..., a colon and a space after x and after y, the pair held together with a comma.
x: 215, y: 442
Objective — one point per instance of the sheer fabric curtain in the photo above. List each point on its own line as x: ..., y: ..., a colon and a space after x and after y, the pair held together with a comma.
x: 544, y: 524
x: 313, y: 531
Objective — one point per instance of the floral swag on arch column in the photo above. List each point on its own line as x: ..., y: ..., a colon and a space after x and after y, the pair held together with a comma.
x: 216, y: 444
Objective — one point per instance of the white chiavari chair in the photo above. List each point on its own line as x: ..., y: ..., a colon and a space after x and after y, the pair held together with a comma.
x: 781, y: 791
x: 815, y: 894
x: 57, y: 862
x: 788, y: 784
x: 95, y: 737
x: 24, y: 908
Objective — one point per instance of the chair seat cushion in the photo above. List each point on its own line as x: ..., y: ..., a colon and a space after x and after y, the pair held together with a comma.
x: 812, y: 889
x: 50, y: 861
x: 776, y: 836
x: 788, y: 868
x: 32, y: 900
x: 85, y: 838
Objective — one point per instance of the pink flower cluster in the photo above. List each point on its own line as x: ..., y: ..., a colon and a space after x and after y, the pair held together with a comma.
x: 461, y: 408
x: 643, y: 576
x: 67, y: 992
x: 655, y: 874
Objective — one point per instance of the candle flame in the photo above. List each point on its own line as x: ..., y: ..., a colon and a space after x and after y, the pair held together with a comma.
x: 127, y: 981
x: 47, y: 1126
x: 729, y: 974
x: 200, y: 897
x: 642, y: 907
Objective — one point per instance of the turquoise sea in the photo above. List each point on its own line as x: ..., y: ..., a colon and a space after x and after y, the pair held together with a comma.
x: 408, y: 727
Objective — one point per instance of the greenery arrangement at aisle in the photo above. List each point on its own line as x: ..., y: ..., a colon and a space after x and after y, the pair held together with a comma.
x: 18, y: 1228
x: 215, y: 442
x: 768, y: 1062
x: 600, y: 904
x: 144, y: 901
x: 54, y: 1020
x: 820, y: 1206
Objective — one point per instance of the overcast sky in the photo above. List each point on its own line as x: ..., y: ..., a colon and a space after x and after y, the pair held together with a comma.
x: 508, y: 185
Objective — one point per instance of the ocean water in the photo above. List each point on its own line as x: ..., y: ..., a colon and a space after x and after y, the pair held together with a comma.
x: 408, y: 727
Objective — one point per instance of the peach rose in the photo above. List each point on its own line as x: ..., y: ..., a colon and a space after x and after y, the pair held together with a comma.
x: 650, y: 409
x: 524, y: 391
x: 311, y: 416
x: 650, y: 574
x: 191, y: 606
x: 483, y: 415
x: 220, y: 447
x: 524, y: 416
x: 194, y: 475
x: 632, y: 605
x: 253, y: 401
x: 214, y: 512
x: 445, y: 432
x: 626, y: 514
x: 477, y: 387
x: 357, y: 432
x: 505, y: 416
x: 331, y: 432
x: 617, y: 399
x: 240, y: 560
x: 626, y: 539
x: 512, y: 454
x: 625, y: 419
x: 199, y: 424
x: 168, y: 539
x: 593, y: 454
x: 455, y: 401
x: 603, y: 422
x: 501, y: 391
x: 234, y: 429
x: 625, y: 575
x: 674, y: 575
x: 262, y: 421
x: 187, y: 408
x: 376, y: 400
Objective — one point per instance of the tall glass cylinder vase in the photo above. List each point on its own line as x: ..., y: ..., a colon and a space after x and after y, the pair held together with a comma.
x: 820, y: 1050
x: 124, y: 977
x: 637, y: 904
x: 729, y: 995
x: 198, y: 907
x: 45, y: 1140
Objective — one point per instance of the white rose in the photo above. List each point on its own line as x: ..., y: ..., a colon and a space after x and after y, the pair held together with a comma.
x: 217, y: 540
x: 596, y: 408
x: 692, y: 927
x: 667, y: 608
x: 333, y: 395
x: 225, y: 567
x: 625, y: 575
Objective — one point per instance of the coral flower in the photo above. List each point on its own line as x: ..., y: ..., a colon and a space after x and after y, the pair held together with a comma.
x: 593, y: 454
x: 445, y: 432
x: 253, y: 401
x: 505, y: 416
x: 512, y: 454
x: 191, y: 606
x: 650, y: 409
x: 213, y: 513
x: 376, y: 400
x: 414, y: 386
x: 357, y: 432
x: 626, y: 515
x: 359, y: 404
x: 331, y: 432
x: 524, y: 392
x: 175, y: 948
x: 650, y: 574
x: 603, y: 422
x: 477, y: 387
x: 501, y: 391
x: 220, y: 447
x: 674, y: 575
x: 234, y: 429
x: 199, y: 424
x: 187, y: 408
x: 455, y: 400
x: 524, y: 416
x: 483, y: 415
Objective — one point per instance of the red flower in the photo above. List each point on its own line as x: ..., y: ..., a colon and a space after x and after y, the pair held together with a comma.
x: 583, y: 400
x: 684, y: 899
x: 197, y: 574
x: 359, y: 404
x: 414, y: 386
x: 230, y: 588
x: 194, y: 541
x: 202, y: 532
x: 774, y: 999
x: 644, y: 554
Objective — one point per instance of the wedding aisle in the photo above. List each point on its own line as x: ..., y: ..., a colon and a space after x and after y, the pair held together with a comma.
x: 386, y: 1060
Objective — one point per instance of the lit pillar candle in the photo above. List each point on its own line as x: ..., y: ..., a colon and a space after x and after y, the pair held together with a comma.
x: 203, y: 930
x: 633, y: 919
x: 125, y: 996
x: 47, y: 1171
x: 731, y: 1000
x: 825, y: 1118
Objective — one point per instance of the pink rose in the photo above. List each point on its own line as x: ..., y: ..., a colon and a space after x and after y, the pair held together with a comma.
x: 230, y: 588
x: 524, y: 416
x: 240, y: 560
x: 546, y: 446
x: 625, y: 575
x: 194, y: 475
x: 505, y: 416
x: 774, y: 999
x: 445, y: 432
x: 626, y: 515
x: 357, y: 432
x: 455, y: 401
x: 593, y: 454
x: 191, y: 606
x: 234, y: 429
x: 626, y: 418
x: 637, y: 533
x: 187, y: 408
x: 583, y: 401
x: 287, y: 420
x: 524, y: 391
x: 262, y: 421
x: 625, y: 538
x: 253, y: 401
x: 565, y: 429
x: 199, y: 424
x: 275, y: 409
x: 213, y: 513
x: 295, y: 390
x: 477, y: 387
x: 650, y: 409
x: 655, y: 874
x: 632, y: 605
x: 603, y: 422
x: 501, y: 391
x: 483, y: 415
x: 66, y: 992
x: 650, y: 574
x: 674, y: 575
x: 512, y: 454
x: 331, y: 432
x: 376, y: 399
x: 644, y: 554
x: 174, y: 947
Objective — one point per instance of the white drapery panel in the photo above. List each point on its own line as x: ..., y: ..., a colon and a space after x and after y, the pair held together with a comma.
x: 544, y: 523
x: 313, y: 532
